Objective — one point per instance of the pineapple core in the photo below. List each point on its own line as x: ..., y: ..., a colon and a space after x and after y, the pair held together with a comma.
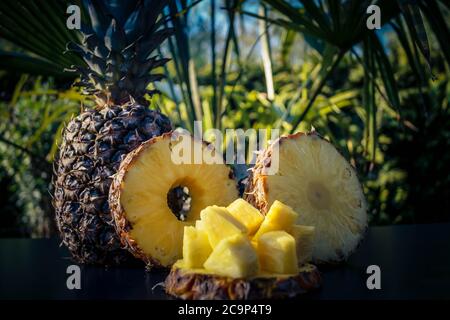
x: 304, y: 241
x: 233, y: 257
x: 219, y: 224
x: 247, y: 214
x: 277, y: 252
x: 196, y: 247
x: 279, y: 217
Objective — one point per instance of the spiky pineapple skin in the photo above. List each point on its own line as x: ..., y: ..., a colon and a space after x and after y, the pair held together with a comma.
x: 257, y: 189
x: 93, y: 145
x: 187, y: 285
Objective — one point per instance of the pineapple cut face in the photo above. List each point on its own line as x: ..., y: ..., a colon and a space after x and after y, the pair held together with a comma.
x: 233, y: 257
x: 247, y: 214
x: 318, y: 183
x: 218, y: 224
x: 304, y: 242
x: 277, y: 252
x: 149, y: 179
x: 196, y: 247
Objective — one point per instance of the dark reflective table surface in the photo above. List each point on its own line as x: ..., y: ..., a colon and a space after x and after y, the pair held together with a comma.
x: 414, y: 262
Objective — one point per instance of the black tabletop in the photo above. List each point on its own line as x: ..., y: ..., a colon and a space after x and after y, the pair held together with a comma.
x: 414, y: 261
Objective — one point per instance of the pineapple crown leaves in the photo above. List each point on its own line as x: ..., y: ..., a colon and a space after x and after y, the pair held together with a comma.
x: 117, y: 46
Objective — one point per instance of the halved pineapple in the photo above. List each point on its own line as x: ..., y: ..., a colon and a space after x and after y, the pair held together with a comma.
x: 196, y: 247
x: 320, y: 185
x: 247, y: 214
x: 277, y: 253
x: 219, y: 224
x: 233, y: 257
x: 279, y: 217
x: 153, y: 197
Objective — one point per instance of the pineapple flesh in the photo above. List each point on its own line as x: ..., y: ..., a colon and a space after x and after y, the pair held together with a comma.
x: 241, y: 266
x: 279, y: 217
x: 277, y: 252
x: 196, y: 247
x: 245, y: 213
x: 149, y: 219
x: 219, y: 224
x: 304, y: 242
x: 115, y: 70
x: 233, y: 257
x: 317, y: 182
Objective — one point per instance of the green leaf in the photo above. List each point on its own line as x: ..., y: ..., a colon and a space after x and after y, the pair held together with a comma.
x: 22, y: 63
x: 387, y: 74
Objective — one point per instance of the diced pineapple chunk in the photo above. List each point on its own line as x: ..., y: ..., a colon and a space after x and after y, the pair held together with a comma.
x: 265, y: 227
x: 277, y: 253
x: 279, y: 217
x: 233, y: 257
x: 218, y: 224
x: 196, y: 247
x: 304, y: 240
x: 199, y: 225
x: 247, y: 214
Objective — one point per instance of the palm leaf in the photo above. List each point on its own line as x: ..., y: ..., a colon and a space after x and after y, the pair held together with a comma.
x: 40, y: 30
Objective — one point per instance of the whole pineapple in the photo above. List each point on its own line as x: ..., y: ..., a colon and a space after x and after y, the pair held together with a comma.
x: 116, y: 47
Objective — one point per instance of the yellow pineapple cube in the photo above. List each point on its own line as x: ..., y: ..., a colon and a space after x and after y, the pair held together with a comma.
x: 247, y: 214
x: 265, y: 227
x: 219, y: 224
x: 233, y: 257
x: 279, y: 217
x: 277, y: 252
x: 304, y: 241
x: 199, y: 225
x: 196, y: 247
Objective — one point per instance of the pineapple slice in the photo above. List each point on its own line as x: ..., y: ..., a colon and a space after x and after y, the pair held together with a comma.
x: 153, y: 198
x: 304, y: 242
x: 218, y: 223
x: 233, y: 257
x: 196, y: 247
x: 277, y: 252
x: 279, y: 217
x: 316, y: 181
x: 247, y: 214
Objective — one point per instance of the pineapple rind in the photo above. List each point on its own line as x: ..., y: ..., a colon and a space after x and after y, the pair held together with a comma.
x: 199, y: 284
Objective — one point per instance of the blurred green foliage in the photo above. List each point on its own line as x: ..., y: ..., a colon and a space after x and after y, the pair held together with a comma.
x: 371, y: 93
